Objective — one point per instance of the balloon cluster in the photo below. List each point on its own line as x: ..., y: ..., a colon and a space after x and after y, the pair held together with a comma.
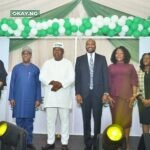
x: 95, y: 26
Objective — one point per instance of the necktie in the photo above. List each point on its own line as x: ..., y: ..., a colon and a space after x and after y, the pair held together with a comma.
x: 91, y: 67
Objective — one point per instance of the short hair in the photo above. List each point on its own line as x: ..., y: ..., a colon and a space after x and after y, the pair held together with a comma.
x: 127, y: 55
x: 27, y: 48
x: 142, y: 66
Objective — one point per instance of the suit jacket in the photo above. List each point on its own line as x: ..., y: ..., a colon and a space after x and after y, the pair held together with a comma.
x: 82, y: 76
x: 3, y: 74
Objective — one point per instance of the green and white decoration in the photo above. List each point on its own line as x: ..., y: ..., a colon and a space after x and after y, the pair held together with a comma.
x: 122, y: 26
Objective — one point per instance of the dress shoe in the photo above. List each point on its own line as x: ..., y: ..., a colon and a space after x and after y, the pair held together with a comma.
x: 31, y: 147
x: 88, y: 148
x: 64, y: 147
x: 48, y: 146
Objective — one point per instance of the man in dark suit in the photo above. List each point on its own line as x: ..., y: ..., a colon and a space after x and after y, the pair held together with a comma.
x: 3, y: 75
x: 91, y: 86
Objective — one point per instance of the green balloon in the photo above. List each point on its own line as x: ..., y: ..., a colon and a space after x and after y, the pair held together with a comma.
x: 74, y: 28
x: 144, y: 32
x: 14, y: 26
x: 55, y: 33
x: 55, y: 25
x: 25, y: 21
x: 146, y: 24
x: 7, y: 34
x: 88, y: 25
x: 82, y: 28
x: 4, y: 21
x: 10, y: 22
x: 136, y: 34
x: 105, y: 30
x: 67, y: 25
x: 50, y: 30
x: 24, y: 34
x: 111, y: 33
x: 118, y: 29
x: 68, y: 32
x: 129, y: 22
x: 129, y: 33
x: 136, y: 19
x: 27, y: 29
x: 85, y: 20
x: 100, y: 32
x: 134, y: 26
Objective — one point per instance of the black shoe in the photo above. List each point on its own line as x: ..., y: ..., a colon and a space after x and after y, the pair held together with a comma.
x: 31, y: 146
x: 64, y: 147
x: 88, y: 148
x: 48, y: 146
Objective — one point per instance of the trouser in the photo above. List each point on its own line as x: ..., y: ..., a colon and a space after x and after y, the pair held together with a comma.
x: 91, y: 104
x: 27, y: 124
x: 51, y: 120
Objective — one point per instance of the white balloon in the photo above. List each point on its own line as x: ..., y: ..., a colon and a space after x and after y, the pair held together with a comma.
x: 112, y: 25
x: 49, y: 22
x: 131, y: 17
x: 78, y: 21
x: 61, y: 22
x: 32, y: 23
x: 125, y: 28
x: 4, y: 27
x: 72, y: 21
x: 122, y: 33
x: 93, y: 20
x: 140, y: 27
x: 79, y: 33
x: 44, y: 25
x: 33, y: 32
x: 55, y: 20
x: 21, y: 27
x: 114, y: 18
x: 61, y: 30
x: 88, y: 32
x: 18, y: 21
x: 100, y: 17
x: 39, y: 26
x: 10, y: 31
x: 121, y: 22
x: 106, y: 20
x: 94, y: 29
x: 17, y: 33
x: 123, y: 17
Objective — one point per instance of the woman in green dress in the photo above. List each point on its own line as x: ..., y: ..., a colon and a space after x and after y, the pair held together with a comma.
x: 144, y: 92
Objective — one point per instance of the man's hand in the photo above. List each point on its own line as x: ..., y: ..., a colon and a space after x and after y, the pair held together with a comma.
x: 37, y: 103
x: 146, y: 102
x: 105, y: 98
x: 131, y: 101
x: 111, y: 101
x: 79, y: 99
x: 12, y: 103
x: 56, y: 85
x: 1, y: 83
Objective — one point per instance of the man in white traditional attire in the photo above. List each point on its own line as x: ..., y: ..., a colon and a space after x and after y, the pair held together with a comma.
x: 57, y: 75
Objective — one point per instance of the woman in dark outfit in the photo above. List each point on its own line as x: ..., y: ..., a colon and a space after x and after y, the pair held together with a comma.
x: 144, y: 92
x: 3, y: 75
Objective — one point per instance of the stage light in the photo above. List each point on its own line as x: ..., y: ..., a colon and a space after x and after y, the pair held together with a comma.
x: 113, y: 137
x: 12, y: 136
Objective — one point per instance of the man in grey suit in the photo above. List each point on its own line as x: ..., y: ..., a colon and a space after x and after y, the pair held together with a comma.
x: 91, y: 86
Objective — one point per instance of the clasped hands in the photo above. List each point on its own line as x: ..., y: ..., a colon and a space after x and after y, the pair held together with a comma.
x: 56, y: 85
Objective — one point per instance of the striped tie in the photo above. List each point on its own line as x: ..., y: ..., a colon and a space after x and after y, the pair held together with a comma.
x: 91, y: 67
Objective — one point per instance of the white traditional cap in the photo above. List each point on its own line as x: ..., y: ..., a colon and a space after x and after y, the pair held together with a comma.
x: 58, y: 44
x: 27, y: 49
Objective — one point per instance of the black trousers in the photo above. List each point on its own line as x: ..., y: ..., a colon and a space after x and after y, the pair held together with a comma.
x: 91, y: 105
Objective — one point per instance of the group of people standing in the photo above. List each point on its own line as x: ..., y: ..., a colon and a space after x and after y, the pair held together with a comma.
x: 95, y: 84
